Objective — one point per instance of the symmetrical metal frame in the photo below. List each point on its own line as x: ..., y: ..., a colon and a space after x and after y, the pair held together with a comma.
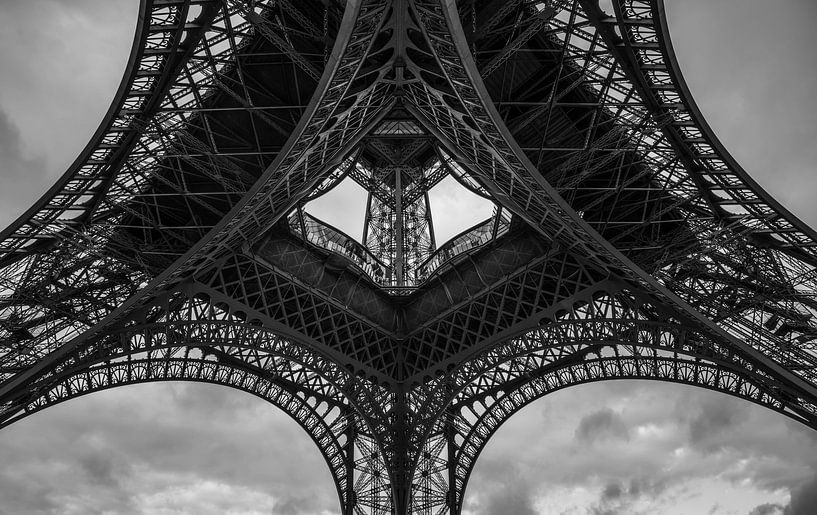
x: 626, y: 242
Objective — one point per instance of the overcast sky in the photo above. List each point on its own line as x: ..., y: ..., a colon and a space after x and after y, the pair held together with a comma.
x: 616, y: 447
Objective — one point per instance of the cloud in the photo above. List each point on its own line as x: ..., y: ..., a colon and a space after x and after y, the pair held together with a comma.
x: 604, y: 424
x: 26, y: 173
x: 623, y: 496
x: 298, y: 505
x: 612, y: 492
x: 512, y: 499
x: 767, y: 509
x: 61, y: 63
x: 102, y: 468
x: 711, y: 421
x: 25, y: 494
x: 804, y: 499
x: 205, y: 497
x: 160, y: 447
x: 639, y: 447
x: 508, y: 491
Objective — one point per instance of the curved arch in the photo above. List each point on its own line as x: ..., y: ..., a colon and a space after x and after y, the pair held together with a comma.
x: 768, y: 234
x: 742, y: 329
x: 197, y: 341
x: 153, y: 64
x: 609, y: 336
x: 329, y: 425
x: 243, y: 346
x: 118, y: 101
x: 665, y: 42
x: 473, y: 435
x: 182, y: 55
x: 610, y: 319
x: 609, y: 333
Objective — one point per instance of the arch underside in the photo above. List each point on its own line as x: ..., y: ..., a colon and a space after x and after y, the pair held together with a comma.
x: 321, y: 398
x: 474, y: 420
x: 611, y: 336
x: 565, y: 353
x: 660, y: 258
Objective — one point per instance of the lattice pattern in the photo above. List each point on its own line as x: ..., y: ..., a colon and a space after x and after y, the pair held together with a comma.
x: 166, y: 166
x: 626, y: 242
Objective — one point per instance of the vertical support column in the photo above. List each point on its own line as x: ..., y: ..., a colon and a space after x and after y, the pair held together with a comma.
x: 401, y: 475
x: 350, y: 497
x: 368, y: 219
x: 398, y: 229
x: 369, y: 490
x: 430, y: 223
x: 452, y: 497
x: 434, y: 478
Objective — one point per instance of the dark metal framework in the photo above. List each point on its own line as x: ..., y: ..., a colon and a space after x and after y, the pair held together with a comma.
x: 626, y: 242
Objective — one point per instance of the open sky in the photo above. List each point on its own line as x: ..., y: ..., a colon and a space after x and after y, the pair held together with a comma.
x: 618, y: 447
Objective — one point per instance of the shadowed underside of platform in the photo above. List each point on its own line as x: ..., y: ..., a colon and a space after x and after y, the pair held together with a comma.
x: 624, y: 241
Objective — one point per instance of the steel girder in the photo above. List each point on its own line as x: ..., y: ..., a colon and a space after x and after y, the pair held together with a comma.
x: 165, y: 166
x: 638, y: 248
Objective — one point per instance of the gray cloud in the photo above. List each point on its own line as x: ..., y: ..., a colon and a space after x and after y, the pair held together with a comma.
x: 145, y: 448
x: 102, y: 468
x: 804, y: 499
x: 512, y: 499
x: 26, y: 173
x: 24, y: 494
x: 767, y: 509
x: 710, y: 422
x: 756, y: 455
x: 622, y: 496
x: 601, y: 425
x: 508, y: 490
x: 301, y: 505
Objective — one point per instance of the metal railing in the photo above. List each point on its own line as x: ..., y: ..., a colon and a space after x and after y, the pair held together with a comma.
x: 327, y: 237
x: 469, y: 239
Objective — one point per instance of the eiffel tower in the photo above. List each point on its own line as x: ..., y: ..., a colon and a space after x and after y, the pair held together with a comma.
x: 625, y: 242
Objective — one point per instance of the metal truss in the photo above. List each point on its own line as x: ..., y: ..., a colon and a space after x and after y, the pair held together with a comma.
x: 192, y: 337
x: 625, y: 243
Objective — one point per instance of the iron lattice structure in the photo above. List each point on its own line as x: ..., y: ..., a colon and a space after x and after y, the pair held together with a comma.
x: 625, y: 243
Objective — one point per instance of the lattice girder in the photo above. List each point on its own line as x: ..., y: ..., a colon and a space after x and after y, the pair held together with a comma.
x: 159, y: 150
x: 328, y: 422
x: 604, y: 336
x: 497, y: 161
x: 644, y: 89
x: 637, y: 248
x: 199, y: 339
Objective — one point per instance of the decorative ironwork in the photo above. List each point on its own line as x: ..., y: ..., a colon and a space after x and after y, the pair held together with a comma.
x: 625, y: 242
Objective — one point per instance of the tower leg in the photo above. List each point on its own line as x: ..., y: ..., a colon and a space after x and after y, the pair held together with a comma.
x: 453, y: 495
x: 370, y: 489
x: 349, y: 495
x: 434, y: 484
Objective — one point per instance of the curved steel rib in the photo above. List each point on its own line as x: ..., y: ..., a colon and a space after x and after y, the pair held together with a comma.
x: 148, y: 156
x: 500, y: 163
x: 328, y: 421
x: 289, y: 177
